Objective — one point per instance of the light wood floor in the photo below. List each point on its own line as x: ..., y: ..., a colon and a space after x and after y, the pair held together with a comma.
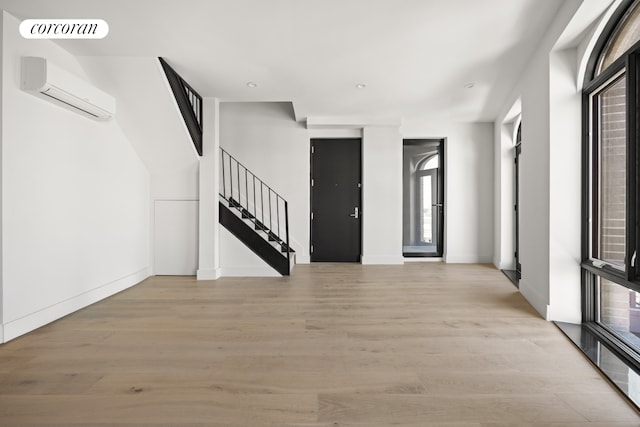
x: 334, y: 345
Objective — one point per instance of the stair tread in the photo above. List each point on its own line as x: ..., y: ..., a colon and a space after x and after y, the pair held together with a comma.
x: 262, y: 231
x: 268, y: 235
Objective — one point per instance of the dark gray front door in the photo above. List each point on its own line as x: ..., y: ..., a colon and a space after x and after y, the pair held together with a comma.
x: 335, y: 200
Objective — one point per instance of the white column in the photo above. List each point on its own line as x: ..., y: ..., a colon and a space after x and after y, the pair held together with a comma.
x: 208, y: 243
x: 382, y: 195
x: 565, y: 183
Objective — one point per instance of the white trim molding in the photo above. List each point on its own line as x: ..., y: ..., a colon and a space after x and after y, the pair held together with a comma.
x: 382, y: 260
x: 468, y: 259
x: 47, y: 315
x: 534, y: 298
x: 209, y: 274
x: 249, y: 271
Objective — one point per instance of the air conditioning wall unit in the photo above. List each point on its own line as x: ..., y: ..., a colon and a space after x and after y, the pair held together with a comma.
x: 41, y: 77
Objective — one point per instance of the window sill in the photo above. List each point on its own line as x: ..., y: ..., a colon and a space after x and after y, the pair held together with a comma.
x: 617, y: 370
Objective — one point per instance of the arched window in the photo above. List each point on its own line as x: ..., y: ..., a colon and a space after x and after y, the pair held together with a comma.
x: 611, y: 273
x: 625, y: 35
x: 429, y: 163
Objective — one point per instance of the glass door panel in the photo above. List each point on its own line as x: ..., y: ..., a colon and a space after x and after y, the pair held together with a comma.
x: 427, y: 217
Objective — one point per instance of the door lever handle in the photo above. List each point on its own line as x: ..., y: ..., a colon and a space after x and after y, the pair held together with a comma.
x: 355, y: 213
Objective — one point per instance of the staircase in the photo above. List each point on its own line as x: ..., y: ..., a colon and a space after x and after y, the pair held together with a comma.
x: 249, y: 208
x: 255, y: 214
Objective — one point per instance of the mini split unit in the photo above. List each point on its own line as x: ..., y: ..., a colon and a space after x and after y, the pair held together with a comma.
x: 46, y: 80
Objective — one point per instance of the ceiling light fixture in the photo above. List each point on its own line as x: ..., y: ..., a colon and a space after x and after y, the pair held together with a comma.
x: 361, y: 86
x: 252, y: 85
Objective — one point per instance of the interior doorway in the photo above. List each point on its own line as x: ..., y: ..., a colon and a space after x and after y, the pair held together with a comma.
x: 515, y: 273
x: 423, y: 198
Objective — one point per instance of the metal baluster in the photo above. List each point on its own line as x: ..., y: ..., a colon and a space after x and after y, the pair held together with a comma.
x: 255, y: 207
x: 230, y: 176
x: 238, y: 170
x: 286, y: 223
x: 224, y: 190
x: 278, y: 212
x: 270, y: 210
x: 262, y: 200
x: 246, y: 188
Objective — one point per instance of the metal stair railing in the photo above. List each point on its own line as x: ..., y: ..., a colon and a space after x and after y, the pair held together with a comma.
x: 256, y: 201
x: 189, y: 102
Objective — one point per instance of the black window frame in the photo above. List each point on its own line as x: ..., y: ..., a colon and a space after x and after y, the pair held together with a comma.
x: 628, y: 64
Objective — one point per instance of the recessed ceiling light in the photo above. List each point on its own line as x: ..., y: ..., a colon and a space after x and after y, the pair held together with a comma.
x: 361, y: 86
x: 252, y: 85
x: 468, y: 85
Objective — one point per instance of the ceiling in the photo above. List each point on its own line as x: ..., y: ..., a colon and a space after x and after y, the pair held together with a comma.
x: 414, y: 56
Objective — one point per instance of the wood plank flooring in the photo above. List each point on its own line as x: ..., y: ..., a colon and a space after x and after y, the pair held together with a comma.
x: 332, y: 345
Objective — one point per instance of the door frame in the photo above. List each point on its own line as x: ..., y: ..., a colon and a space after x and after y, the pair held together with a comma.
x: 516, y: 208
x: 311, y: 142
x: 440, y: 217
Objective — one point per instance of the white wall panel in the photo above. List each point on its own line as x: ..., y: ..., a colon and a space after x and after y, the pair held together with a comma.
x: 176, y: 237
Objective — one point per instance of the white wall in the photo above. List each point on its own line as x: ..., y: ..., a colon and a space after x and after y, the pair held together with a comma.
x: 236, y: 260
x: 2, y: 19
x: 550, y: 166
x: 148, y: 114
x: 468, y: 186
x: 269, y: 142
x: 209, y: 212
x: 381, y: 195
x: 176, y: 237
x: 534, y: 187
x: 564, y: 189
x: 266, y: 138
x: 262, y: 135
x: 75, y: 200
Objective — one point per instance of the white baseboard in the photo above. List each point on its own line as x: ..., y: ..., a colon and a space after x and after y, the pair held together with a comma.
x: 422, y: 259
x: 251, y: 271
x: 303, y: 259
x: 47, y: 315
x: 209, y: 274
x: 1, y: 333
x: 535, y: 299
x: 564, y: 315
x: 382, y: 260
x: 468, y: 259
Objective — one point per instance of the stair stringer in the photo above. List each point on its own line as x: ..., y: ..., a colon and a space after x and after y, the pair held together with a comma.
x: 252, y: 240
